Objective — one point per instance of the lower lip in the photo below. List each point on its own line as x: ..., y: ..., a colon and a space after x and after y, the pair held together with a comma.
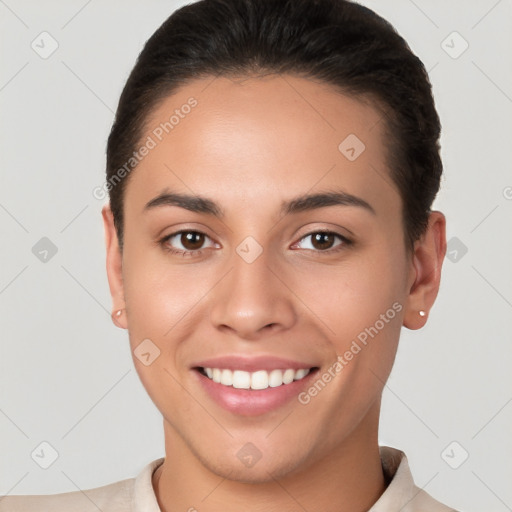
x: 250, y: 402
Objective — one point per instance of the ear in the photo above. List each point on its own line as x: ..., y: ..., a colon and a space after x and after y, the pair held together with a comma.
x: 114, y: 266
x: 425, y: 274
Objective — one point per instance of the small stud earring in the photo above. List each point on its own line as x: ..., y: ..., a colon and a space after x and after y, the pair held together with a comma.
x: 116, y: 314
x: 422, y: 313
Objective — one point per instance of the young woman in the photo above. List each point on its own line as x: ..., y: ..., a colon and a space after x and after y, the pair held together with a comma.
x: 271, y: 170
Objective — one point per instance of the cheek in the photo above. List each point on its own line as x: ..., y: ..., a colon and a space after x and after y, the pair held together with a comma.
x: 359, y: 305
x: 350, y: 296
x: 160, y: 296
x: 160, y: 301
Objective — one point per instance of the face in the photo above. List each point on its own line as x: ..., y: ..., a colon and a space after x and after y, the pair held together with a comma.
x: 263, y: 232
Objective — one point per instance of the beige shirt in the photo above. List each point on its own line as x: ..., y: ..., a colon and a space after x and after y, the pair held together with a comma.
x: 137, y: 494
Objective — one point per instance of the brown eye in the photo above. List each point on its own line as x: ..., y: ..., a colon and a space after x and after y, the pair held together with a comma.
x: 323, y: 241
x: 192, y: 240
x: 187, y: 243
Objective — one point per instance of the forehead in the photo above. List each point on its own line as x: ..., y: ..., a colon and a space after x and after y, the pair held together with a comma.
x: 275, y: 136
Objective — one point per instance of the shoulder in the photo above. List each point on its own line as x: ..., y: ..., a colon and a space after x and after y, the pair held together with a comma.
x: 115, y: 497
x: 133, y: 494
x: 402, y: 493
x: 424, y: 502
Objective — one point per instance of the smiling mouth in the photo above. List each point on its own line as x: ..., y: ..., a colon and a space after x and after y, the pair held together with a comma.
x: 258, y: 380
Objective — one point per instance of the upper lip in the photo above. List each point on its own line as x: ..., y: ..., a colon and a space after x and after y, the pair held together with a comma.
x: 252, y: 363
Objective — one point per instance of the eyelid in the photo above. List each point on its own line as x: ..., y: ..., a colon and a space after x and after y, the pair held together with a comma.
x: 180, y: 227
x: 345, y: 241
x: 324, y: 227
x: 182, y: 231
x: 162, y: 242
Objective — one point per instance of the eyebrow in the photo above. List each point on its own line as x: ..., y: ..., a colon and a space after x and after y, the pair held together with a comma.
x: 302, y: 203
x: 323, y: 199
x: 189, y: 202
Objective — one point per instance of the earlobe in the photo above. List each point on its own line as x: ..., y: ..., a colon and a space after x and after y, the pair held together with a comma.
x: 114, y: 268
x: 425, y: 275
x: 116, y: 318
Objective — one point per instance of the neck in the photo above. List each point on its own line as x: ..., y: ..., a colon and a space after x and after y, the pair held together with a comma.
x: 348, y: 479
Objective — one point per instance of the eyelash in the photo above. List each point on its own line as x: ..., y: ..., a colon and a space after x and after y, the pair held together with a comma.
x: 179, y: 252
x: 198, y: 252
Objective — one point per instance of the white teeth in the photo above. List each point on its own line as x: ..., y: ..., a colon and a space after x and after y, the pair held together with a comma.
x: 299, y: 374
x: 226, y: 377
x: 288, y: 376
x: 241, y: 380
x: 260, y: 379
x: 275, y: 378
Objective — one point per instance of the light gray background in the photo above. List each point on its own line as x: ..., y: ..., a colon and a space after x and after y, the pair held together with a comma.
x: 66, y: 372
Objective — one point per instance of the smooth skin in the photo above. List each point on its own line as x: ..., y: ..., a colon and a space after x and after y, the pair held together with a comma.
x: 249, y: 145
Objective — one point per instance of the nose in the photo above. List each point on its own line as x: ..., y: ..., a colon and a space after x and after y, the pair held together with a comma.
x: 252, y: 301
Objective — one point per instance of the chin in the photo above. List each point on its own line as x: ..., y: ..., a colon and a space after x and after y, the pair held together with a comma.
x: 263, y: 470
x: 256, y: 475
